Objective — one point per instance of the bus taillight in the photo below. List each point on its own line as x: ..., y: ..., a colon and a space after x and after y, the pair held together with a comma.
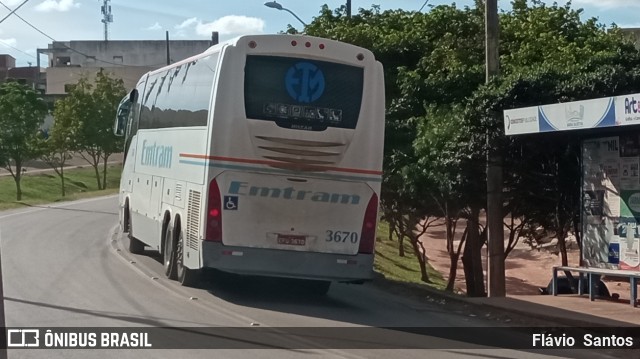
x: 368, y: 234
x: 214, y: 213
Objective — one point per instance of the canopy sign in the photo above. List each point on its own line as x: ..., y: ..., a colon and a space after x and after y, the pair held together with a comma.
x: 602, y: 112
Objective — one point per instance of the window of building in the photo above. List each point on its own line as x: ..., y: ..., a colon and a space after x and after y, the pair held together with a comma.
x: 69, y: 87
x: 63, y: 61
x: 90, y: 60
x: 118, y: 59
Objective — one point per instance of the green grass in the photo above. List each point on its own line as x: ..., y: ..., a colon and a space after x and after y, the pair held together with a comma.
x: 401, y: 269
x: 45, y: 187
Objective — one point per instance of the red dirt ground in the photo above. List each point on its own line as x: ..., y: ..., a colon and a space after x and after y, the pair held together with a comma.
x: 527, y: 269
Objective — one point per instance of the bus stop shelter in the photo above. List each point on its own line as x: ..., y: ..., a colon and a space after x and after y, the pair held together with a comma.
x: 610, y: 184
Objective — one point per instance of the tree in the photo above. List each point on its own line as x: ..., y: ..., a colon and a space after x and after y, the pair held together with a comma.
x: 60, y: 142
x: 441, y: 115
x: 90, y: 110
x: 22, y: 113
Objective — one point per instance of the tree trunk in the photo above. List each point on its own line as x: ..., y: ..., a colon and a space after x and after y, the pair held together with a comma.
x: 454, y: 255
x: 97, y: 171
x: 562, y: 245
x: 472, y: 258
x: 453, y: 271
x: 576, y: 231
x: 421, y: 259
x: 62, y: 178
x: 467, y: 266
x: 104, y: 172
x: 401, y: 226
x: 17, y: 178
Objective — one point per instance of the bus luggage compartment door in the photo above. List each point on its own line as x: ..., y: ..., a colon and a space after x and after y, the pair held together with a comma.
x: 290, y: 212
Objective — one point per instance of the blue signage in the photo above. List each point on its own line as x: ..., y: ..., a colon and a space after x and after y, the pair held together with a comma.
x: 304, y: 82
x: 614, y: 253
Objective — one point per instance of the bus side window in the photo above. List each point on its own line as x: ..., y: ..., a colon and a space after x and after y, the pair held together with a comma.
x: 134, y: 115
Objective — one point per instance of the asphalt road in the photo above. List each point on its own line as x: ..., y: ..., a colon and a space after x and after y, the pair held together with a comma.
x: 62, y: 267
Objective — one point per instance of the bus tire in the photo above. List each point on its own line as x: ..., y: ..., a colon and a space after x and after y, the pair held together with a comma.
x: 317, y: 287
x: 135, y: 246
x: 169, y: 253
x: 186, y: 276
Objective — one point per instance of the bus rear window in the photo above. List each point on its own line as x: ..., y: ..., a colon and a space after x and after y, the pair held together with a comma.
x: 302, y: 94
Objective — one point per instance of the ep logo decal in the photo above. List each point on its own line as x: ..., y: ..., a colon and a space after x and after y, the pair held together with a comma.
x: 305, y: 82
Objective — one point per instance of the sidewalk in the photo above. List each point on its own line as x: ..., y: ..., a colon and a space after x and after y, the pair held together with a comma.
x: 569, y: 310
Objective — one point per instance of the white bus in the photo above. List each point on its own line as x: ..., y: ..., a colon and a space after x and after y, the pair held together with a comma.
x: 260, y: 156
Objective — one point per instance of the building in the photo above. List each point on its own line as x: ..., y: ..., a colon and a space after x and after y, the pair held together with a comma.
x: 633, y: 34
x: 6, y: 62
x: 128, y: 60
x: 25, y: 75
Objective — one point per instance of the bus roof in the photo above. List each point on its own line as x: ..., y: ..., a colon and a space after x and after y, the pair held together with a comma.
x: 273, y: 40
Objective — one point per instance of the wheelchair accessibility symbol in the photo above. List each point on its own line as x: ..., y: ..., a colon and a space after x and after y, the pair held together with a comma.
x: 231, y: 203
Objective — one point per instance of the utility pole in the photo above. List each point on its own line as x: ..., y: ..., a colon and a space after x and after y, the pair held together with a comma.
x: 494, y: 167
x: 168, y: 51
x: 348, y: 9
x: 214, y: 38
x: 107, y: 18
x: 3, y: 322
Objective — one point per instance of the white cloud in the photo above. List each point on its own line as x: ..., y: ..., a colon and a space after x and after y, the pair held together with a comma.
x: 12, y: 3
x: 154, y: 27
x: 10, y: 41
x: 231, y: 25
x: 57, y: 5
x: 608, y: 4
x: 187, y: 23
x: 227, y: 25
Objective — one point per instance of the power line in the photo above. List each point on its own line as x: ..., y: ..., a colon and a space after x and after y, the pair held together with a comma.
x: 12, y: 11
x: 25, y: 21
x: 15, y: 48
x: 423, y: 5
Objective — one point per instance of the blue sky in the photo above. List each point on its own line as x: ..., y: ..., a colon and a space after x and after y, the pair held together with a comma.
x: 195, y: 19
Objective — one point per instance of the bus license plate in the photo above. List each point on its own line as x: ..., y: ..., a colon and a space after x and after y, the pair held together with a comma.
x: 291, y: 240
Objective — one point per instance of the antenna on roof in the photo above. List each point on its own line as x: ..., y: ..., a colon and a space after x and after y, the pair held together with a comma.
x: 107, y: 18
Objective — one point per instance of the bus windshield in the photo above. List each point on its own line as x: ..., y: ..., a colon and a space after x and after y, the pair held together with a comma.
x: 301, y: 93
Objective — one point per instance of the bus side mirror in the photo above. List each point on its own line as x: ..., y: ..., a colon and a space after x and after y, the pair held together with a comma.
x: 122, y: 115
x: 133, y: 95
x: 121, y: 120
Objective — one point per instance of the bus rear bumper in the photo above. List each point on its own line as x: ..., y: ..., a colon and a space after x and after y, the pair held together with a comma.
x: 289, y: 264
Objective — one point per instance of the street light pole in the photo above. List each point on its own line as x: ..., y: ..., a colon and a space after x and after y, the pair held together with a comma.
x: 277, y: 6
x: 494, y: 167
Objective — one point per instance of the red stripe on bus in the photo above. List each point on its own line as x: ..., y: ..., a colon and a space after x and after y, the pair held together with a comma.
x: 275, y: 163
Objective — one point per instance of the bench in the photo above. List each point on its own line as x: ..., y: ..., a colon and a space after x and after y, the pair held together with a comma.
x: 590, y: 272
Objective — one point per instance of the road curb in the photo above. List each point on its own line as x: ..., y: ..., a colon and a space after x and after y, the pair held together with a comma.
x: 474, y: 307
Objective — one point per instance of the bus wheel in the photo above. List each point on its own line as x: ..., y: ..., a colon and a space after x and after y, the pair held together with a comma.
x: 187, y: 277
x: 135, y: 246
x: 169, y: 254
